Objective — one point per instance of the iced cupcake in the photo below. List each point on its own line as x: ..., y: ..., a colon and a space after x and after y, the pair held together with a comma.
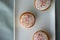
x: 27, y: 19
x: 42, y: 4
x: 41, y: 35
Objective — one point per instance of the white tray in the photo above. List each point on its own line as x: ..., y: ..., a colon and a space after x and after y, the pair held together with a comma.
x: 45, y: 20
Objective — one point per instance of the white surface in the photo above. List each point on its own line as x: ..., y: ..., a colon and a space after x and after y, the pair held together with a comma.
x: 45, y: 20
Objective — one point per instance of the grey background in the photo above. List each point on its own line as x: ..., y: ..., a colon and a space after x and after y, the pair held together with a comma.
x: 57, y: 19
x: 6, y: 19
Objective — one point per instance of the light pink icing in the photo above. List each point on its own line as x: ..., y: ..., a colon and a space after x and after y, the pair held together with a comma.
x: 27, y: 20
x: 42, y: 4
x: 40, y: 36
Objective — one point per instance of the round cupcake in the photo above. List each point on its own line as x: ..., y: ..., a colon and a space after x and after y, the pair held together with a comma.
x: 40, y: 35
x: 42, y: 4
x: 27, y: 19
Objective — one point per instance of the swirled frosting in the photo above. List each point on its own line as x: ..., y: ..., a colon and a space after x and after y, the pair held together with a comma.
x: 40, y: 36
x: 27, y: 20
x: 42, y: 4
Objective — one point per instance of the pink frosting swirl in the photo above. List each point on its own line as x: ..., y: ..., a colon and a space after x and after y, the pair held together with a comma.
x: 27, y: 20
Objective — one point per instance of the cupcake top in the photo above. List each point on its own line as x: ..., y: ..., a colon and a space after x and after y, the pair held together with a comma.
x: 40, y: 35
x: 42, y: 4
x: 27, y: 19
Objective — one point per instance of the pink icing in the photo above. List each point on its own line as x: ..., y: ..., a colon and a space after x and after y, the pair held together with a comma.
x: 42, y: 4
x: 40, y: 36
x: 27, y: 20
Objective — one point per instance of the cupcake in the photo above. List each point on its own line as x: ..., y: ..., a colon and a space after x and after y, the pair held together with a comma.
x: 27, y: 19
x: 40, y: 35
x: 42, y: 4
